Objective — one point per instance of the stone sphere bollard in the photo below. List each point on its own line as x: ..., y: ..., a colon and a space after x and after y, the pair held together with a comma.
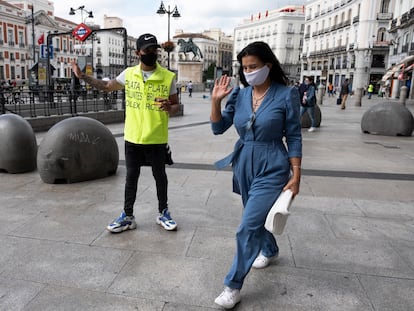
x: 306, y: 121
x: 388, y: 119
x: 77, y: 149
x: 18, y: 145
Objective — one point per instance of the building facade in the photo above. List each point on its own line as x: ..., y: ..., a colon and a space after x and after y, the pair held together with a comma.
x: 24, y: 30
x: 401, y: 53
x: 282, y: 29
x: 347, y: 39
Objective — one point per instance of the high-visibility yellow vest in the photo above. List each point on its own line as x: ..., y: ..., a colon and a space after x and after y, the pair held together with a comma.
x: 370, y: 88
x: 145, y: 123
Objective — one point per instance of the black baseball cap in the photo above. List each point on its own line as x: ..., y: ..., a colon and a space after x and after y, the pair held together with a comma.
x: 147, y: 40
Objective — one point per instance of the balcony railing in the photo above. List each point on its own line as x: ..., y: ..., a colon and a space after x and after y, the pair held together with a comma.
x: 384, y: 16
x: 381, y: 44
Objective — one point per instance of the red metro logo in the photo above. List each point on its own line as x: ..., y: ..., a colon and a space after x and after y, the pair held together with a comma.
x: 81, y: 32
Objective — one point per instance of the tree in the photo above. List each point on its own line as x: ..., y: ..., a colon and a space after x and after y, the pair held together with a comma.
x: 209, y: 73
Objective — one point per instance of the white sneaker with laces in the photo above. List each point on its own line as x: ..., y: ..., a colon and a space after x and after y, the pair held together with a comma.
x: 262, y: 261
x: 311, y: 129
x: 228, y: 298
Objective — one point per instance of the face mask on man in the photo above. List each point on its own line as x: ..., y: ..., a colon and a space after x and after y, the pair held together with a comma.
x: 149, y: 59
x: 258, y: 76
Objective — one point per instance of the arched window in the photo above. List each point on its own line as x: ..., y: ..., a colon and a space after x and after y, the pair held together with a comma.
x: 381, y: 35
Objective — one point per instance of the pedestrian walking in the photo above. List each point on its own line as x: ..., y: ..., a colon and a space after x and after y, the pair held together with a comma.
x: 190, y: 89
x: 151, y: 97
x: 308, y: 100
x: 265, y: 113
x: 344, y: 93
x: 370, y: 90
x: 330, y: 89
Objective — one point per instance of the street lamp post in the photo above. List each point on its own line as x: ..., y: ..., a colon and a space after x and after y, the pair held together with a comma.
x: 31, y: 20
x: 82, y: 9
x: 161, y: 11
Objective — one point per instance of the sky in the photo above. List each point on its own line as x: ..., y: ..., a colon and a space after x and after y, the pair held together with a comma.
x: 139, y: 16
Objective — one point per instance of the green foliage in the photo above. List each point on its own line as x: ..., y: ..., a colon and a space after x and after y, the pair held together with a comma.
x: 209, y: 73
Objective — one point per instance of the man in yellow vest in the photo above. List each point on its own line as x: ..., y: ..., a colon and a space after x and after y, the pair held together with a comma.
x: 370, y: 90
x: 151, y: 97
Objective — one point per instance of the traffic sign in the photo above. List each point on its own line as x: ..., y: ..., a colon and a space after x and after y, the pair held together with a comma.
x: 81, y: 32
x: 44, y: 51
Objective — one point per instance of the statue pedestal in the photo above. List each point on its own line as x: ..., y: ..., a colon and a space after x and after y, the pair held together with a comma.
x: 190, y: 71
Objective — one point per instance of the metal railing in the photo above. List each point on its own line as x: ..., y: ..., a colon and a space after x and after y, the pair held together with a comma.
x: 40, y: 103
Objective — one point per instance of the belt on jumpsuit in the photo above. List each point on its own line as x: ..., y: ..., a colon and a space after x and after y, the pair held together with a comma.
x: 229, y: 159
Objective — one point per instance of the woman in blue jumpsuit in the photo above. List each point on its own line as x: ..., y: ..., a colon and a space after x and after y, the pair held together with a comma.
x: 266, y: 158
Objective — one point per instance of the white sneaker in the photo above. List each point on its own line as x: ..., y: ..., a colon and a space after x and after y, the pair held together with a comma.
x: 228, y: 298
x: 262, y: 261
x: 311, y: 129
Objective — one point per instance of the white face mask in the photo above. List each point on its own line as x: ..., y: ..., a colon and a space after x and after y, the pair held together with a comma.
x: 258, y: 76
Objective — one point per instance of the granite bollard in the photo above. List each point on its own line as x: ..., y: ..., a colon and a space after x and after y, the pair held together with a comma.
x: 18, y: 145
x: 77, y: 149
x: 388, y: 119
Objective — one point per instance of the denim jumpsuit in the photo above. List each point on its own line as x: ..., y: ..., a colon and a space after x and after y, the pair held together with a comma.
x: 261, y: 167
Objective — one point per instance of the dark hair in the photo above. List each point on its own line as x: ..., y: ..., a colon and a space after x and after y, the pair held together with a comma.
x: 263, y: 51
x: 310, y: 78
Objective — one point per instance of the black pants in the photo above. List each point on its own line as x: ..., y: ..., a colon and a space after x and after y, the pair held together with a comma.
x: 140, y: 155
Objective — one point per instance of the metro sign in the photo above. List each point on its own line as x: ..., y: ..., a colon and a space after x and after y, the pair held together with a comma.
x: 81, y: 32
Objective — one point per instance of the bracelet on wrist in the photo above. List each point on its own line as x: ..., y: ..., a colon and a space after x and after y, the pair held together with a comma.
x: 298, y: 166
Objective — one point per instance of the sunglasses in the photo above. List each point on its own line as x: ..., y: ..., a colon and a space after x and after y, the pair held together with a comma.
x: 250, y: 122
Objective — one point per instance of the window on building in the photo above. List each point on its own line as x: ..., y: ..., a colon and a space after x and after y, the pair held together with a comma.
x: 12, y: 72
x: 406, y: 38
x: 344, y: 62
x: 378, y: 61
x: 2, y: 73
x: 10, y: 36
x: 21, y: 38
x: 381, y: 35
x: 385, y: 5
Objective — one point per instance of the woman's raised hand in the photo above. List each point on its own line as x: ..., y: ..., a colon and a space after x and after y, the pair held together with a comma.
x: 221, y: 88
